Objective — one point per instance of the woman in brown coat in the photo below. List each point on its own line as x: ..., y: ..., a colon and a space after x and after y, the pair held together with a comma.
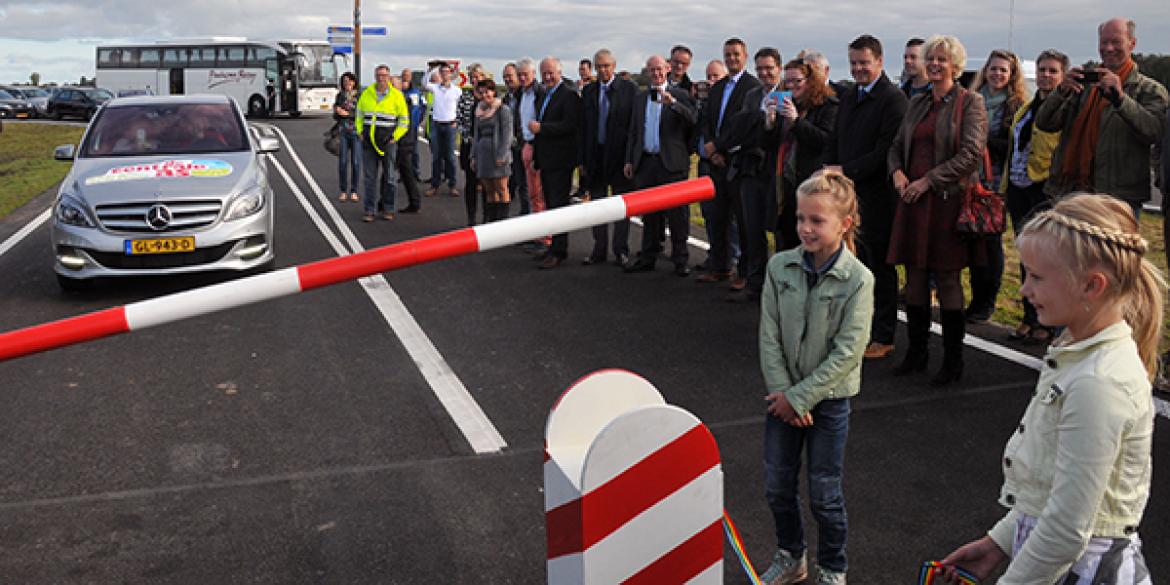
x: 929, y: 174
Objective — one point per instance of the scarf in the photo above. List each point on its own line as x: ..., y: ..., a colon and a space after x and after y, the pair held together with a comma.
x: 994, y: 103
x: 487, y: 109
x: 1077, y: 166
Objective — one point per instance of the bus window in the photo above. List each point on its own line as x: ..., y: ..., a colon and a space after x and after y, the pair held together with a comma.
x: 109, y: 58
x: 258, y: 56
x: 175, y: 58
x: 148, y: 58
x: 202, y: 57
x: 230, y: 57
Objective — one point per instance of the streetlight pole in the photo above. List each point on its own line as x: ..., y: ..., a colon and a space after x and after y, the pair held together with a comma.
x: 357, y: 42
x: 1011, y: 23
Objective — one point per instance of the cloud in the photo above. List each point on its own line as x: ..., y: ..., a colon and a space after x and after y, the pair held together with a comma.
x: 494, y: 33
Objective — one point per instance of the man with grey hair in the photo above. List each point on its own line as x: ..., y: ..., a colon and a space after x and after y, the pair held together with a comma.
x: 555, y: 147
x: 606, y: 104
x: 528, y: 97
x: 820, y: 61
x: 1109, y: 118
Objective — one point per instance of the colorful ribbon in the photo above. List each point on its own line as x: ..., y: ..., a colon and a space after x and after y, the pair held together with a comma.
x: 737, y: 545
x: 932, y: 569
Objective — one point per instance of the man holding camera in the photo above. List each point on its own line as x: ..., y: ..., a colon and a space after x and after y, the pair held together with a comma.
x: 1109, y: 117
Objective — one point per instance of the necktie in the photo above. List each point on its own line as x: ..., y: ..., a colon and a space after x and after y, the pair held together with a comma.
x: 547, y: 99
x: 861, y: 92
x: 604, y: 114
x: 726, y: 96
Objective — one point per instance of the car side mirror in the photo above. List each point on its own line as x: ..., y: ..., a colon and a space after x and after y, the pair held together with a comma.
x: 64, y: 152
x: 269, y: 144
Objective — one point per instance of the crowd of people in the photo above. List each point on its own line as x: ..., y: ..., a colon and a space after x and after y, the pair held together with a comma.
x: 849, y: 180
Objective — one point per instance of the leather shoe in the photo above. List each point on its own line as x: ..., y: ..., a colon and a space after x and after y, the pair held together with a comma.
x: 410, y: 209
x: 550, y: 261
x: 590, y: 261
x: 682, y: 270
x: 713, y: 277
x: 431, y: 192
x: 738, y: 283
x: 640, y: 266
x: 877, y: 351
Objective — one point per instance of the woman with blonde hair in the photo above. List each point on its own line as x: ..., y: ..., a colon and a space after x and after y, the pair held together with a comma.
x: 1001, y: 83
x: 937, y: 150
x: 1077, y: 469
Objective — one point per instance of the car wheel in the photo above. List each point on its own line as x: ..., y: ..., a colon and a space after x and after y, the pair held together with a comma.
x: 256, y: 107
x: 89, y: 114
x: 74, y: 284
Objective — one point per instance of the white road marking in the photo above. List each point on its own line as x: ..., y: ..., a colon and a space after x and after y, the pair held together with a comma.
x: 28, y: 228
x: 448, y: 388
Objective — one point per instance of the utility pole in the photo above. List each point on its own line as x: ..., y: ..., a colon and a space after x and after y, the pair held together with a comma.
x: 357, y: 42
x: 1011, y: 23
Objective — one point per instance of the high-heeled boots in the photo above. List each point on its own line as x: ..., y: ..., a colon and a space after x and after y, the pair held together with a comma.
x: 918, y: 330
x: 954, y: 326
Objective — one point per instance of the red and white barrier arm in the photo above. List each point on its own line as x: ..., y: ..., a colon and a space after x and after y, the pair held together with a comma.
x: 292, y: 280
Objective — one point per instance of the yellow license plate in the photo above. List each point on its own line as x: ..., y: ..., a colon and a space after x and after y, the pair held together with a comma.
x: 160, y: 246
x: 324, y: 106
x: 21, y: 115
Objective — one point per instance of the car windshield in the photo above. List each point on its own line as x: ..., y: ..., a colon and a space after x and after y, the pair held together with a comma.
x: 101, y: 94
x: 315, y: 66
x: 156, y: 129
x: 6, y: 96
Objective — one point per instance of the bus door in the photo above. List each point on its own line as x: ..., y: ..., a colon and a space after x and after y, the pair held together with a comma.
x: 288, y: 86
x: 271, y: 82
x: 176, y: 82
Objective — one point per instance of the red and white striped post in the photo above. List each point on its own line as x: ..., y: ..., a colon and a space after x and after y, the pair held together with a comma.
x: 633, y: 487
x: 297, y: 279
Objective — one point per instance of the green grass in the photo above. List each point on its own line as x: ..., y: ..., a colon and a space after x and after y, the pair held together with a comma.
x: 27, y: 167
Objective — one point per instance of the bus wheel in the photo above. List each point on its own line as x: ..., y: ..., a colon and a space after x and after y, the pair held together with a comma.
x: 256, y: 107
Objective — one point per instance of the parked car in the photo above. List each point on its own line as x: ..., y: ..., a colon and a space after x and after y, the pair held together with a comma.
x: 80, y: 102
x: 12, y: 106
x: 36, y: 96
x: 163, y: 185
x: 134, y: 92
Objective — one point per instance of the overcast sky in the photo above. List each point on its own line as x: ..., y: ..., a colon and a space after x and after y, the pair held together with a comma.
x: 57, y: 38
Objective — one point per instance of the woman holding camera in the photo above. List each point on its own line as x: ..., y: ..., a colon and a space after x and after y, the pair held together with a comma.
x: 938, y: 147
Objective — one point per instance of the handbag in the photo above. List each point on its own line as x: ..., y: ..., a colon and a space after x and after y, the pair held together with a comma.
x: 333, y: 140
x: 982, y: 212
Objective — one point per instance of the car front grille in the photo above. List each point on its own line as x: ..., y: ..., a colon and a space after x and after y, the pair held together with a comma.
x: 195, y: 258
x: 187, y: 214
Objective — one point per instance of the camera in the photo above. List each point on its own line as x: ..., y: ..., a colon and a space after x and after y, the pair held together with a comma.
x: 1090, y: 76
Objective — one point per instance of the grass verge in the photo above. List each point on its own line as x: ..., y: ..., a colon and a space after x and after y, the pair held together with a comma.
x: 27, y: 166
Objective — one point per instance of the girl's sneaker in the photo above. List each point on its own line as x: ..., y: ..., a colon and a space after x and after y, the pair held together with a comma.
x: 785, y: 569
x: 827, y: 577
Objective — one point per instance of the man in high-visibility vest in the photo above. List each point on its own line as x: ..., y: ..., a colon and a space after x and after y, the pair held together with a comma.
x: 382, y: 118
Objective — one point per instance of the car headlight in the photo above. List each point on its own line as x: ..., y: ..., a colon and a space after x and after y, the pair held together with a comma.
x: 71, y: 211
x: 248, y: 202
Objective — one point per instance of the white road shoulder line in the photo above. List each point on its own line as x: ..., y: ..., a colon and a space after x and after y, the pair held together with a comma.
x: 448, y: 388
x: 28, y: 228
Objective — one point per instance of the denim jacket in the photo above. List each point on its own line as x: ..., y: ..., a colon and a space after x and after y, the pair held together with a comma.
x: 812, y: 339
x: 1080, y: 459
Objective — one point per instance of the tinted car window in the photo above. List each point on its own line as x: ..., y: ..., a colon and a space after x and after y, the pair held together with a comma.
x: 100, y: 94
x: 165, y: 129
x: 6, y: 96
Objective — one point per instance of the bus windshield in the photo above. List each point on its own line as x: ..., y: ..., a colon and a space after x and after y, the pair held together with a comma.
x: 315, y: 66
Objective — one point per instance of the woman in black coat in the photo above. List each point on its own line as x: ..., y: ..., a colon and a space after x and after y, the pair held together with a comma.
x: 807, y: 121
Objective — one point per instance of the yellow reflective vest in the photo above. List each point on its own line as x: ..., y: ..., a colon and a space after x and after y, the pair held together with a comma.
x: 384, y: 120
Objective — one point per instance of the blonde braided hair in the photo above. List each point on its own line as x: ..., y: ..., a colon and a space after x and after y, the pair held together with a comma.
x: 1099, y: 232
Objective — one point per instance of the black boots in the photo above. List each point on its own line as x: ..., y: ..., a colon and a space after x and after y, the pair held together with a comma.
x: 954, y: 326
x: 918, y: 330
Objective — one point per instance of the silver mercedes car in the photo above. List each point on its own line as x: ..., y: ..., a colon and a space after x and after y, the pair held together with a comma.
x: 163, y: 185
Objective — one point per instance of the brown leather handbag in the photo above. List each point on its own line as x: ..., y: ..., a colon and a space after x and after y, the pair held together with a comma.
x: 982, y: 213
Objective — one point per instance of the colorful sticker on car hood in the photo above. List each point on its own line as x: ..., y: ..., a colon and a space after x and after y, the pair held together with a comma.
x: 168, y: 169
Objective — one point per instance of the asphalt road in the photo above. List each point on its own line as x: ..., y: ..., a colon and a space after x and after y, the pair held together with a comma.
x: 297, y: 441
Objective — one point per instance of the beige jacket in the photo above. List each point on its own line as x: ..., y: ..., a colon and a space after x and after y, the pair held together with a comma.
x: 1080, y: 460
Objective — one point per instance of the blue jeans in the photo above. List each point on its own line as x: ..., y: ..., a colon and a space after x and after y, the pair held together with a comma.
x: 379, y: 193
x: 825, y: 442
x: 442, y: 154
x: 349, y: 162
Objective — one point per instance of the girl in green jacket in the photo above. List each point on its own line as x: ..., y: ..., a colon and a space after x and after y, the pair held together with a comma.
x: 815, y: 319
x: 1077, y: 469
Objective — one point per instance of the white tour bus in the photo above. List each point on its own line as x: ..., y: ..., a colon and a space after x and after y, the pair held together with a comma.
x: 264, y: 77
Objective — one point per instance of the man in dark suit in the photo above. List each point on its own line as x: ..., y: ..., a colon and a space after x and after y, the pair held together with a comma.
x: 725, y: 99
x: 658, y: 154
x: 868, y: 118
x: 606, y: 104
x: 756, y: 130
x: 555, y: 147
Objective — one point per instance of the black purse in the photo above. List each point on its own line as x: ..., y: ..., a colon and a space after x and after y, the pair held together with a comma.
x: 333, y: 140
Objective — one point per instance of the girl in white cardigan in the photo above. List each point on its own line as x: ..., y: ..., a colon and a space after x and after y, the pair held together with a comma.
x: 1077, y: 469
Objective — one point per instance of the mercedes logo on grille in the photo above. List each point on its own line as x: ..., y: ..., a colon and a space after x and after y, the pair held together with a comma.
x: 158, y: 217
